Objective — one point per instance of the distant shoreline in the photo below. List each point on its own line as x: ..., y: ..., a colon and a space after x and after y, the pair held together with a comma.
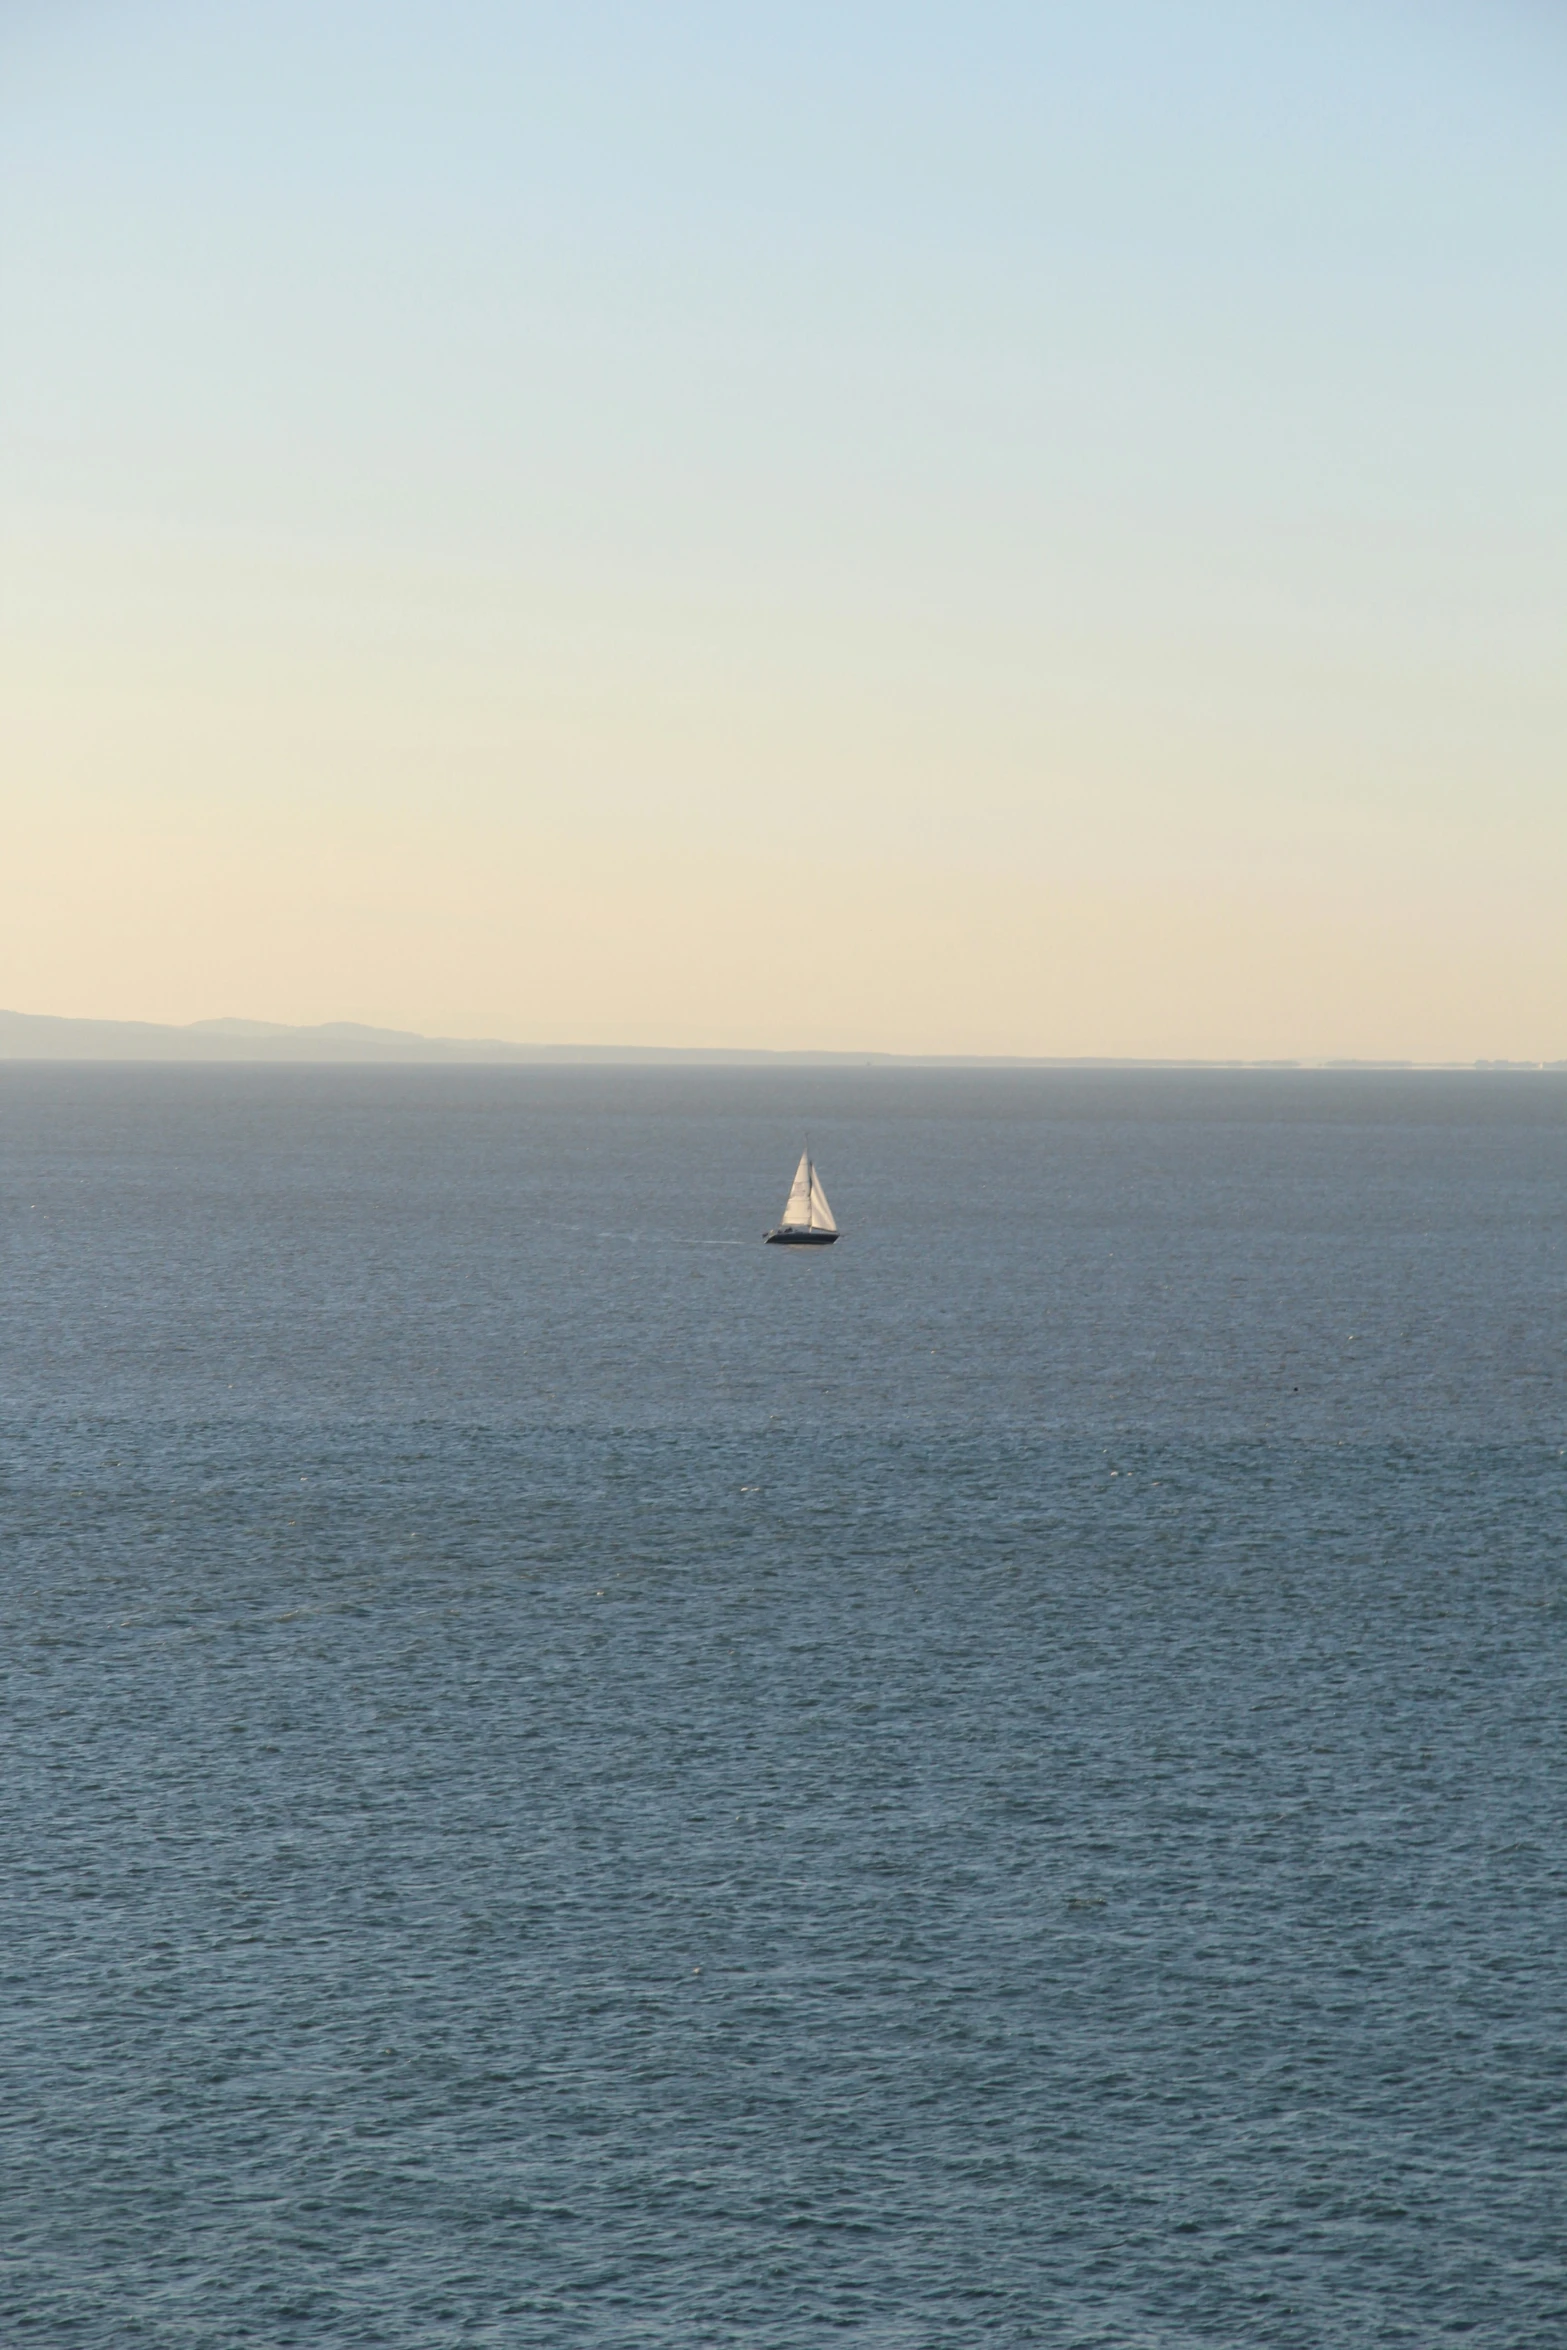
x: 45, y: 1037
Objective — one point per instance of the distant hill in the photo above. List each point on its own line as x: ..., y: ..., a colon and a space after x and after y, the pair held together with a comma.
x: 35, y: 1036
x: 38, y: 1036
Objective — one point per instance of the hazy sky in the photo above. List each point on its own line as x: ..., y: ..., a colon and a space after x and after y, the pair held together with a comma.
x: 961, y: 528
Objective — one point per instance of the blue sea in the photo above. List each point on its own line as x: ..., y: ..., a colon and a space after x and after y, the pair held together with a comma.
x: 571, y: 1779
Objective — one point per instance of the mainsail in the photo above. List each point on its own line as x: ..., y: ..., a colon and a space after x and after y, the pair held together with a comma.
x: 797, y: 1208
x: 806, y: 1209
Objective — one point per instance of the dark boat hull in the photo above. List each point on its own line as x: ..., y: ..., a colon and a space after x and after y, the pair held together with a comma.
x: 785, y: 1238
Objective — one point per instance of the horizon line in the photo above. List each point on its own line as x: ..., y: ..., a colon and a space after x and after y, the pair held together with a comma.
x: 56, y: 1037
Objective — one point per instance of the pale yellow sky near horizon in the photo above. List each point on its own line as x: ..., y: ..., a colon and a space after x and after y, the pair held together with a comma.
x: 670, y: 559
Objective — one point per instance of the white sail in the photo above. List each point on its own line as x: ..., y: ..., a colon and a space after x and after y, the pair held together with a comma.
x: 797, y: 1209
x: 821, y: 1214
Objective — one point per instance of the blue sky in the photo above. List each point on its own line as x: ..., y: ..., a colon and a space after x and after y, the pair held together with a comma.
x: 522, y: 520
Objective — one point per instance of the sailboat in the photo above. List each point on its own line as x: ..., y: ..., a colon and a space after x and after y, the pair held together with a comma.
x: 808, y: 1221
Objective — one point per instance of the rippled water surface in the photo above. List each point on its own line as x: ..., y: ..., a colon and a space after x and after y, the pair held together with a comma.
x: 571, y: 1779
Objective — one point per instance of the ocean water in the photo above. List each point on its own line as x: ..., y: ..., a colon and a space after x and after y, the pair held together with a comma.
x: 571, y: 1779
